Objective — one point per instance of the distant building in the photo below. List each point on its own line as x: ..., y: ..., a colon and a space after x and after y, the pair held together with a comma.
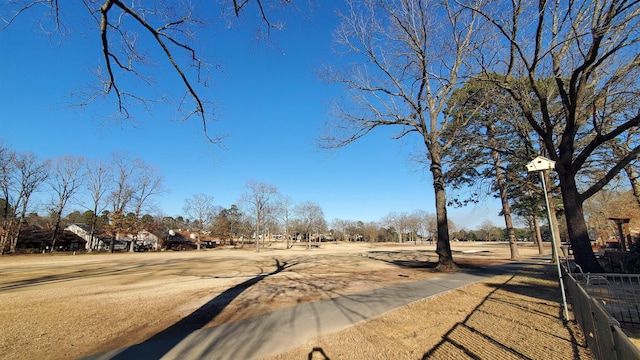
x: 36, y: 239
x: 81, y: 230
x: 143, y: 238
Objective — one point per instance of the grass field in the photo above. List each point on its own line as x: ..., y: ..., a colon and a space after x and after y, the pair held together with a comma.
x: 66, y: 307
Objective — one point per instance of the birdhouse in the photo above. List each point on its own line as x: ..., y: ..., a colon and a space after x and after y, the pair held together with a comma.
x: 541, y: 163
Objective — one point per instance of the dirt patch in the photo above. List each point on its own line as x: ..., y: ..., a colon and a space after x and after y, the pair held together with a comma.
x: 63, y: 306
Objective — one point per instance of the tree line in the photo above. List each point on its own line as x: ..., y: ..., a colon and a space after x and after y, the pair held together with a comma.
x: 118, y: 197
x: 116, y: 193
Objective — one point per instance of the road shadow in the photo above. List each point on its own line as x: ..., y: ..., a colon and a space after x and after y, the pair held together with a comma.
x: 512, y: 322
x: 161, y: 343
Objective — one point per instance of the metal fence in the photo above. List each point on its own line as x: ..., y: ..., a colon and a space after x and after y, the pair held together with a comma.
x: 592, y: 297
x: 619, y: 294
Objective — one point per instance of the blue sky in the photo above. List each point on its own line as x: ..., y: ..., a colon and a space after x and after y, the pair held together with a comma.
x: 269, y: 102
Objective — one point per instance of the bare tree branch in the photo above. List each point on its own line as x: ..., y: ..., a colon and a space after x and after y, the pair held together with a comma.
x: 122, y: 28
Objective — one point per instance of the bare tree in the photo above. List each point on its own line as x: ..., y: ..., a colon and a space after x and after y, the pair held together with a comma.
x: 413, y: 222
x: 120, y: 196
x: 578, y: 61
x: 489, y: 231
x: 65, y: 180
x: 341, y: 226
x: 610, y: 203
x: 427, y: 225
x: 432, y: 227
x: 7, y: 179
x: 284, y: 209
x: 413, y: 54
x: 201, y: 209
x: 631, y: 169
x: 99, y: 178
x: 401, y: 222
x: 392, y: 221
x: 260, y: 199
x: 147, y: 184
x: 370, y: 231
x: 28, y: 174
x: 312, y: 219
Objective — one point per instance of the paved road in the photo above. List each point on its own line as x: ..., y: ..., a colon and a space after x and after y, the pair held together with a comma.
x: 284, y: 329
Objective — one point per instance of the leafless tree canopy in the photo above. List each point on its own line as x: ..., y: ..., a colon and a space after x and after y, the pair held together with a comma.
x: 201, y: 209
x: 311, y: 218
x: 21, y: 175
x: 260, y: 198
x: 66, y: 179
x: 404, y: 58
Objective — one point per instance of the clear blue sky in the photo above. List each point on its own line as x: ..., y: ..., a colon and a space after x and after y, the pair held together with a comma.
x: 268, y: 100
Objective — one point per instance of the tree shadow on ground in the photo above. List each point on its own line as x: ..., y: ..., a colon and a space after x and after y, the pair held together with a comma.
x: 68, y: 273
x: 428, y: 259
x: 504, y: 323
x: 161, y: 343
x: 405, y: 259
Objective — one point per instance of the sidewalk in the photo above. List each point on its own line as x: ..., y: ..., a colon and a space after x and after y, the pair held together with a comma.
x: 285, y: 329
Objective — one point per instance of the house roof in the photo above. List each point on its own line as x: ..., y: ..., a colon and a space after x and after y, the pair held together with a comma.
x: 82, y: 226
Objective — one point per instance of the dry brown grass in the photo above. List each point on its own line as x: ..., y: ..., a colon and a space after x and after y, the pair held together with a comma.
x: 64, y: 307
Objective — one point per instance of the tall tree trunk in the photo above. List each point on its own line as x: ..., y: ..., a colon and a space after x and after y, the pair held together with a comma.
x: 16, y: 235
x: 537, y: 234
x: 14, y: 240
x: 443, y: 246
x: 4, y: 232
x: 56, y: 230
x: 506, y: 209
x: 3, y: 239
x: 7, y: 235
x: 286, y: 235
x: 94, y: 223
x: 577, y: 227
x: 511, y: 233
x: 112, y: 243
x: 258, y: 233
x: 92, y: 240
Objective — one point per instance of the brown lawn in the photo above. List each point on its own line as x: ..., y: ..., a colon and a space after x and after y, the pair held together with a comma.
x: 65, y: 306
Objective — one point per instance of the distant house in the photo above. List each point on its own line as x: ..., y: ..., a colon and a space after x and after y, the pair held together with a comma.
x: 81, y: 230
x: 33, y: 238
x: 144, y: 238
x: 104, y: 243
